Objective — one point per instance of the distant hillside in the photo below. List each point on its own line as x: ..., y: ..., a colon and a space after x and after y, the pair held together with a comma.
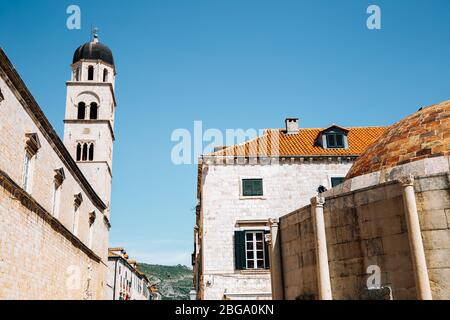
x: 173, y: 282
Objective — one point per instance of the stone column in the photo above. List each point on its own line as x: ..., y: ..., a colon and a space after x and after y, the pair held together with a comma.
x: 276, y: 268
x: 323, y: 272
x: 415, y: 239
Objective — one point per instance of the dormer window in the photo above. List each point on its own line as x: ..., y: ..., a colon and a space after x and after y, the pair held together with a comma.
x: 333, y: 137
x: 335, y: 140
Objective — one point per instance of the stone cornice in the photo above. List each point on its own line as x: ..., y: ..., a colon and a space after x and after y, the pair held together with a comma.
x: 268, y: 160
x: 98, y: 84
x: 104, y: 162
x: 17, y: 193
x: 18, y: 87
x: 86, y: 121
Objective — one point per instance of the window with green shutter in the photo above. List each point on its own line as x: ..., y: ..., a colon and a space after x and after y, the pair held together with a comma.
x: 239, y: 250
x: 252, y: 187
x: 251, y: 250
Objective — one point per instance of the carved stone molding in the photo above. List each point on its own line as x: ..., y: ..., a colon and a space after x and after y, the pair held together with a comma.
x: 407, y: 180
x: 317, y: 201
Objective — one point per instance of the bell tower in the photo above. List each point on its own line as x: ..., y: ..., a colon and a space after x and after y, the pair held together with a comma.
x: 89, y: 119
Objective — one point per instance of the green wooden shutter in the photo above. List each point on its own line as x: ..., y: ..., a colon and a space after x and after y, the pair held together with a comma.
x: 257, y: 187
x: 247, y: 187
x: 252, y: 187
x: 266, y: 251
x: 239, y: 250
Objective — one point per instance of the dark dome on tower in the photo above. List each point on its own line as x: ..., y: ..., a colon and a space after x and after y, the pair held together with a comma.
x: 94, y: 50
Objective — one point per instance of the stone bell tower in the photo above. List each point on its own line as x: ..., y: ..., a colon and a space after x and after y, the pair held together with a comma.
x: 89, y: 119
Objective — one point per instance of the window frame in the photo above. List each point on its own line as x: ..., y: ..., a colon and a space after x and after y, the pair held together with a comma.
x: 81, y: 106
x: 254, y: 241
x: 241, y: 258
x: 93, y: 111
x: 105, y: 75
x: 26, y: 171
x: 85, y: 151
x: 331, y: 177
x: 76, y: 220
x: 335, y: 135
x: 241, y: 188
x: 91, y: 73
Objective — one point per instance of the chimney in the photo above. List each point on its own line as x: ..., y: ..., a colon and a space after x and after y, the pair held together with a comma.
x: 291, y: 125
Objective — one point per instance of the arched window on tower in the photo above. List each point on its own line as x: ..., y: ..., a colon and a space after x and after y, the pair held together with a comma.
x: 93, y: 114
x: 77, y: 74
x: 91, y: 73
x: 85, y: 151
x: 105, y: 75
x: 81, y: 111
x: 91, y: 152
x: 78, y: 151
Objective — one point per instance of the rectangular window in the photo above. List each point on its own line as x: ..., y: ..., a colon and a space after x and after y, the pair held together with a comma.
x: 75, y: 220
x: 56, y: 200
x: 251, y: 250
x: 336, y: 181
x: 252, y: 187
x: 335, y: 140
x: 26, y: 172
x: 91, y: 235
x: 254, y: 250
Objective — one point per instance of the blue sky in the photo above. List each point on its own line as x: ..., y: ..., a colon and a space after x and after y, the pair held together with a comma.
x: 231, y: 64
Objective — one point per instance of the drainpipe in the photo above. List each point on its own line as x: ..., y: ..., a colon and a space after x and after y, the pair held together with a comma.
x: 276, y: 268
x: 323, y: 271
x: 415, y: 239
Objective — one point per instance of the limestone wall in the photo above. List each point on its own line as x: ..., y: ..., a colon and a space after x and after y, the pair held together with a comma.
x: 38, y: 251
x: 433, y: 205
x: 367, y: 227
x: 38, y: 262
x: 298, y: 255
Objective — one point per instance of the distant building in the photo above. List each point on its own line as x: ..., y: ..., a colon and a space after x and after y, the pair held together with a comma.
x: 125, y: 280
x: 240, y: 187
x: 154, y: 293
x: 384, y: 233
x: 55, y: 196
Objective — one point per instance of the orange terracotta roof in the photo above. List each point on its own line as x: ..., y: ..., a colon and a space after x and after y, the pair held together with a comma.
x: 276, y: 142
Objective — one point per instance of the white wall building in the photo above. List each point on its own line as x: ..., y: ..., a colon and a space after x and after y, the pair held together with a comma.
x: 125, y: 281
x: 241, y: 187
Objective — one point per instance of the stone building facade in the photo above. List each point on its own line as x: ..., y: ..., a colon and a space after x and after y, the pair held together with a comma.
x: 384, y: 233
x: 125, y: 280
x: 241, y: 187
x: 54, y: 208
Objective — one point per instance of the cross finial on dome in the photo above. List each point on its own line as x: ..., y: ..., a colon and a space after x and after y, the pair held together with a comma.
x: 94, y: 32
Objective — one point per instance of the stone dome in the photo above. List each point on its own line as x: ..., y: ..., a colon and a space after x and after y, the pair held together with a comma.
x: 94, y: 50
x: 423, y: 134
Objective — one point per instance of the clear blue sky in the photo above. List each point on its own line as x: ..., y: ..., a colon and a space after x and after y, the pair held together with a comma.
x: 232, y: 64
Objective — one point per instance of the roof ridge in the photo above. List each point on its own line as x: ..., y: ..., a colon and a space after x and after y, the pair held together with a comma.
x: 316, y: 128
